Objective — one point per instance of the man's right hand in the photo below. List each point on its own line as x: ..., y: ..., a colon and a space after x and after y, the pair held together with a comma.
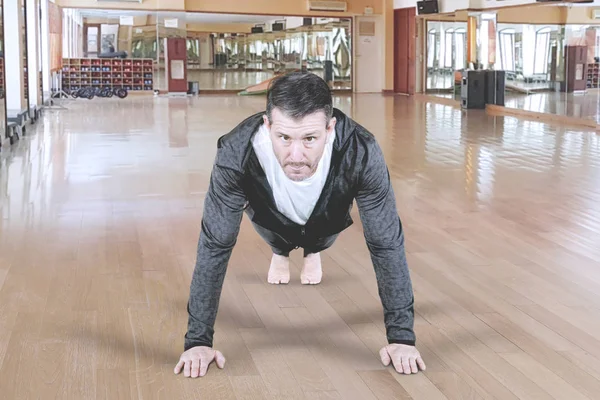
x: 196, y: 360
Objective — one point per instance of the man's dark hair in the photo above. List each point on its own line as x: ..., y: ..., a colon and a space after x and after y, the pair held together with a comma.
x: 299, y: 94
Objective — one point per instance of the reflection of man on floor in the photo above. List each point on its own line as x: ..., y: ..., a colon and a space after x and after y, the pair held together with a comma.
x: 296, y: 170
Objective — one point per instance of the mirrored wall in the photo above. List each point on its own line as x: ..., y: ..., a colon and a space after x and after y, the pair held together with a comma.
x: 24, y: 53
x: 224, y: 52
x: 551, y: 62
x: 2, y: 76
x: 446, y: 55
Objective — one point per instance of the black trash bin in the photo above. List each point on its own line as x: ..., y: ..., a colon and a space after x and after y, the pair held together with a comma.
x: 193, y: 88
x: 495, y: 87
x: 472, y: 93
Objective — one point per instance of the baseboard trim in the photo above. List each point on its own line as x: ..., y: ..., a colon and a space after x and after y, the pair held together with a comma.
x: 219, y: 91
x: 387, y: 92
x: 494, y: 110
x: 575, y: 122
x: 439, y: 100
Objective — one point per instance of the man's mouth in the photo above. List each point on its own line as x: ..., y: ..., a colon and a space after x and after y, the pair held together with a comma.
x: 296, y: 167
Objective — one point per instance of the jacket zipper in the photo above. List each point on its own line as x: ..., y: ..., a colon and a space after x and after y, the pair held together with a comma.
x: 302, y: 230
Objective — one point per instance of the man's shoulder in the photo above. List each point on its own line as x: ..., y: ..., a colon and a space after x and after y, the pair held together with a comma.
x: 350, y: 130
x: 360, y: 145
x: 243, y: 132
x: 233, y: 147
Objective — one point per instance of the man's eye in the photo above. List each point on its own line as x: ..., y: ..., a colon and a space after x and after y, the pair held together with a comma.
x: 310, y: 139
x: 285, y: 138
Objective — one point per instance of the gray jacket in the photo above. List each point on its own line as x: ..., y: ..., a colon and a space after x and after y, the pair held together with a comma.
x: 238, y: 184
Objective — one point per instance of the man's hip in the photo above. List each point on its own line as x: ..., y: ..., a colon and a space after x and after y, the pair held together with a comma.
x: 283, y: 246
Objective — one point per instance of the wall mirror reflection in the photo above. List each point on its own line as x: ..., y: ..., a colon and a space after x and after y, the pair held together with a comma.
x: 223, y: 52
x: 25, y: 81
x: 550, y: 55
x: 2, y: 78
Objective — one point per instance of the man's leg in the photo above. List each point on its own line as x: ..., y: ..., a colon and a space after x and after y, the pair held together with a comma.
x: 312, y: 271
x: 279, y: 270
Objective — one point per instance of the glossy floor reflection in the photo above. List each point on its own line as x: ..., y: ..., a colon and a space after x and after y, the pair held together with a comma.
x: 100, y: 209
x: 579, y: 105
x: 585, y: 106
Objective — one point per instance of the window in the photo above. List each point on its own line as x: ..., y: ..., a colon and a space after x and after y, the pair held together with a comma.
x: 448, y: 42
x: 542, y: 51
x: 460, y: 51
x: 431, y: 45
x: 507, y: 49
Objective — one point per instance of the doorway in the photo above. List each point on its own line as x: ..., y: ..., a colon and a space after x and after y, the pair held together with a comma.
x: 404, y: 50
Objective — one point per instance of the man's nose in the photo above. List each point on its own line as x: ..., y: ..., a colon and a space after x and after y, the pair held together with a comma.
x: 296, y: 152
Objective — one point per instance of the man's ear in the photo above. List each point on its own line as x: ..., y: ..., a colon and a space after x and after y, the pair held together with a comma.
x: 266, y: 121
x: 331, y: 126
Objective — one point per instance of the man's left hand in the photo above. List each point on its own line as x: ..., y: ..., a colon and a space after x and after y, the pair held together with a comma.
x: 406, y: 359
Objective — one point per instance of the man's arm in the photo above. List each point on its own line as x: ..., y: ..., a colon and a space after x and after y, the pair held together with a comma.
x: 385, y: 240
x: 223, y: 212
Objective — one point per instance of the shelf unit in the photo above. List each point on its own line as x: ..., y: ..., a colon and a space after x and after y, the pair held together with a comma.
x: 135, y: 75
x: 593, y: 76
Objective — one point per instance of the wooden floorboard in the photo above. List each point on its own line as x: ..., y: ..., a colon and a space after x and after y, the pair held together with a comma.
x: 100, y: 211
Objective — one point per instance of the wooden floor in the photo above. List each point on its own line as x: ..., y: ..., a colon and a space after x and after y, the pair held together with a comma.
x: 100, y: 208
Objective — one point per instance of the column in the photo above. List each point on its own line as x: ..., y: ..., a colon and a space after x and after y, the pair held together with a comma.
x: 481, y: 40
x: 45, y: 47
x: 13, y: 58
x: 487, y: 40
x: 33, y: 49
x: 472, y: 41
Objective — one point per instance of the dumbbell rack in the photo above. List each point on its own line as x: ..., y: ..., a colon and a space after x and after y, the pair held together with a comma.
x: 134, y: 75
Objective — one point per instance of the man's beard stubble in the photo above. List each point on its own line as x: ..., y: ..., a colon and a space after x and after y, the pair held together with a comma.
x: 296, y: 178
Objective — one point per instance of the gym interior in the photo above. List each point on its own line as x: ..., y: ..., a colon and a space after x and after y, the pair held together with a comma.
x: 487, y: 113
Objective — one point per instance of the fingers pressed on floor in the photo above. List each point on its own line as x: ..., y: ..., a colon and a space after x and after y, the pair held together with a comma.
x: 204, y: 366
x: 406, y: 365
x: 413, y: 366
x: 187, y: 368
x: 385, y: 357
x: 220, y: 359
x: 178, y: 367
x: 421, y: 363
x: 195, y: 367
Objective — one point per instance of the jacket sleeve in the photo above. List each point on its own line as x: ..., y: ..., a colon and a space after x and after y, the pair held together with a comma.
x: 385, y: 239
x: 222, y: 215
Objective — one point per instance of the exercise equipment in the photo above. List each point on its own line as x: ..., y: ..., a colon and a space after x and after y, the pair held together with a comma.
x: 106, y: 92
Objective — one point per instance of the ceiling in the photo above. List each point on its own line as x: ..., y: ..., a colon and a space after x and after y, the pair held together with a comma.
x: 190, y: 18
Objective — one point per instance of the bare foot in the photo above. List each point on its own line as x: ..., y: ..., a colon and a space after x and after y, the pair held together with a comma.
x: 311, y: 271
x: 279, y: 272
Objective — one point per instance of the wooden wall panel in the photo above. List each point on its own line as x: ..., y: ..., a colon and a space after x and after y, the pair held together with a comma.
x: 404, y: 50
x: 55, y: 40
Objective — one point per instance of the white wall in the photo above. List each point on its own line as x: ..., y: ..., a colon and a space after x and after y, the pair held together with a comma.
x: 369, y: 68
x: 498, y: 3
x: 443, y: 5
x: 446, y: 6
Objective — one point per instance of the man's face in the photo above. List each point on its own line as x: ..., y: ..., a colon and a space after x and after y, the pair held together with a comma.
x: 299, y: 144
